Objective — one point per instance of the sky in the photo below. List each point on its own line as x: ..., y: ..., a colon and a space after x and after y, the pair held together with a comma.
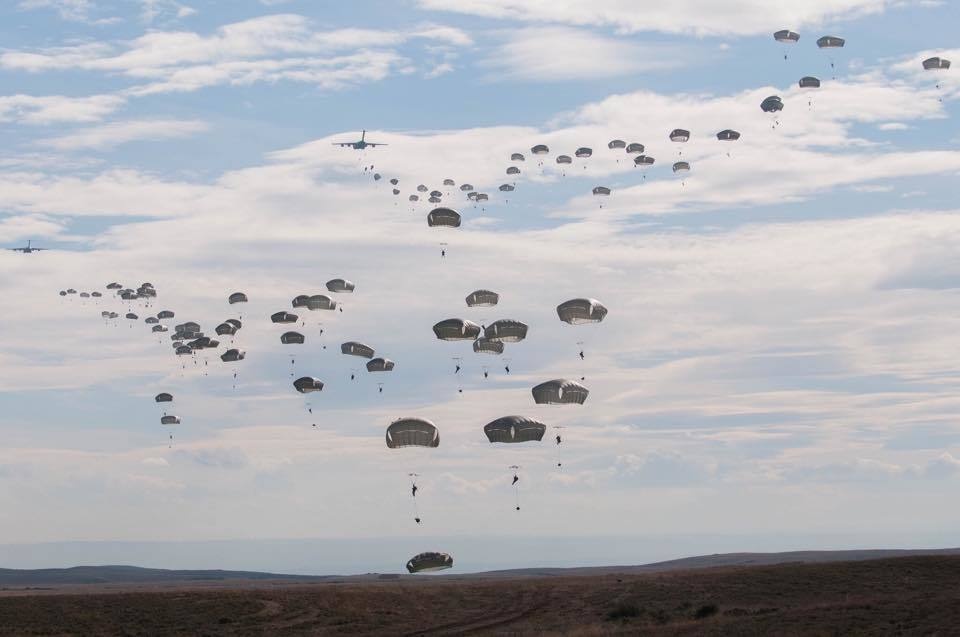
x: 777, y: 370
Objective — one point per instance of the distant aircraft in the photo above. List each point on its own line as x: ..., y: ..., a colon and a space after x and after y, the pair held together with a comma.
x: 28, y: 249
x: 358, y: 145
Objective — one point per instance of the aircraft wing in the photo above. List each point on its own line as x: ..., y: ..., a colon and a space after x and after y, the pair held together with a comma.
x: 376, y: 144
x: 341, y: 145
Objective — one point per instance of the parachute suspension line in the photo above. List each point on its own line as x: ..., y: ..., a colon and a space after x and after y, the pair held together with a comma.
x: 413, y: 491
x: 558, y: 439
x: 516, y: 484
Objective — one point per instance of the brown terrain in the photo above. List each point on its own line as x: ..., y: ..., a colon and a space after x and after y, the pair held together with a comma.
x: 917, y: 595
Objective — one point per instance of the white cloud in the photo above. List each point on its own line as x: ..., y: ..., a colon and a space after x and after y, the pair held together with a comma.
x: 700, y: 17
x: 71, y: 10
x: 266, y: 49
x: 889, y: 126
x: 49, y: 109
x: 564, y: 53
x: 117, y: 133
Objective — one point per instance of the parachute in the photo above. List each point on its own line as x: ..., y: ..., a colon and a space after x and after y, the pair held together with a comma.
x: 772, y: 104
x: 564, y: 159
x: 540, y: 149
x: 616, y: 143
x: 340, y: 286
x: 114, y: 286
x: 169, y: 420
x: 396, y: 191
x: 237, y: 297
x: 679, y: 135
x: 353, y: 348
x: 443, y: 217
x: 830, y: 42
x: 413, y: 198
x: 506, y: 331
x: 412, y: 432
x: 517, y: 157
x: 292, y: 338
x: 449, y: 182
x: 580, y: 311
x: 643, y: 160
x: 422, y: 188
x: 506, y: 188
x: 728, y: 135
x: 786, y: 36
x: 482, y: 298
x: 560, y: 392
x: 226, y: 329
x: 936, y: 63
x: 183, y: 350
x: 234, y: 322
x: 307, y: 384
x: 159, y: 328
x: 513, y: 170
x: 376, y: 176
x: 635, y: 148
x: 151, y: 320
x: 681, y: 166
x: 300, y: 300
x: 486, y: 346
x: 394, y: 181
x: 165, y: 314
x: 514, y: 429
x: 380, y: 365
x: 233, y: 355
x: 602, y: 191
x: 132, y: 316
x: 466, y: 187
x: 96, y: 295
x: 809, y: 81
x: 583, y: 152
x: 426, y: 562
x: 164, y: 397
x: 320, y: 302
x: 283, y: 317
x: 455, y: 329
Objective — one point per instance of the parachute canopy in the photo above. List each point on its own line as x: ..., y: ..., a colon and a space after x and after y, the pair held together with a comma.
x: 643, y: 160
x: 772, y: 104
x: 308, y: 384
x: 340, y: 285
x: 514, y: 429
x: 353, y: 348
x: 443, y: 217
x: 564, y: 159
x: 169, y: 420
x: 601, y: 190
x: 237, y: 297
x: 485, y: 346
x: 380, y: 365
x: 540, y: 149
x: 935, y: 63
x: 616, y: 143
x: 681, y: 166
x: 513, y: 170
x: 164, y: 397
x: 786, y: 36
x: 482, y: 298
x: 426, y: 562
x: 679, y: 135
x: 506, y: 331
x: 283, y: 317
x: 560, y: 392
x: 412, y: 432
x: 728, y: 135
x: 233, y: 355
x: 517, y: 157
x: 830, y: 42
x: 579, y: 311
x: 292, y: 338
x: 808, y: 81
x: 165, y: 314
x: 583, y: 152
x: 455, y: 329
x: 635, y: 148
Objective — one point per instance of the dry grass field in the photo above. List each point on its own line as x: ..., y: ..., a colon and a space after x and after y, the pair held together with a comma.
x: 900, y: 596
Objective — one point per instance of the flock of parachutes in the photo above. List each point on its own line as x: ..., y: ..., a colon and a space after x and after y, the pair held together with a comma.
x: 189, y: 341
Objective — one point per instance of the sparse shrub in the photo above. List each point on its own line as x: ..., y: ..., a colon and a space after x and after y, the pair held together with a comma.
x: 624, y: 610
x: 707, y: 610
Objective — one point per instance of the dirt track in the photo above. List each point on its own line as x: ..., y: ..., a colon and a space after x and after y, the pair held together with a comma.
x: 915, y: 595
